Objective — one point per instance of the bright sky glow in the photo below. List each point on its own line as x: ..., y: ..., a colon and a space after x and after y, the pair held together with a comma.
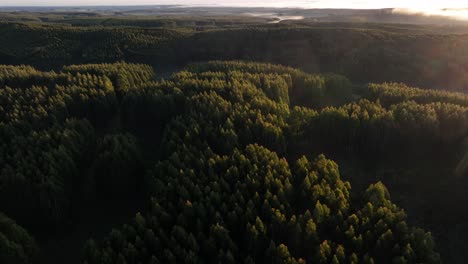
x: 437, y: 7
x: 412, y: 4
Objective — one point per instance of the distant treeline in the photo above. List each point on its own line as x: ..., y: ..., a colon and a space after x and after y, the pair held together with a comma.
x: 362, y: 52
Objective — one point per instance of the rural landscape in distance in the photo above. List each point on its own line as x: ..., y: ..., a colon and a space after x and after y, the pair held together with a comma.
x: 190, y: 131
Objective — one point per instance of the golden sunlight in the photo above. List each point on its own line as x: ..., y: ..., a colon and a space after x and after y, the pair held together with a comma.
x: 450, y: 8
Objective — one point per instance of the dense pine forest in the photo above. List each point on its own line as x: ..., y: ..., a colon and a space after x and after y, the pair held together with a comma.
x: 203, y: 140
x: 420, y: 56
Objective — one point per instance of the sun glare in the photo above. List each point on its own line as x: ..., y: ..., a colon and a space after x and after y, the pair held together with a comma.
x: 450, y: 8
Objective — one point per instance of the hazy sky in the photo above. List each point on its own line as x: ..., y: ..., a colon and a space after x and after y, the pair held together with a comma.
x: 411, y: 4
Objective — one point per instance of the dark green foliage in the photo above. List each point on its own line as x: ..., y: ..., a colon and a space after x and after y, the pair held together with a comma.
x: 124, y: 76
x: 117, y: 165
x: 55, y: 46
x: 40, y: 168
x: 338, y: 90
x: 402, y: 131
x: 16, y: 245
x: 299, y: 88
x: 211, y: 149
x: 219, y: 145
x: 359, y: 53
x: 363, y: 52
x: 46, y: 139
x: 241, y: 206
x: 393, y: 93
x: 220, y: 194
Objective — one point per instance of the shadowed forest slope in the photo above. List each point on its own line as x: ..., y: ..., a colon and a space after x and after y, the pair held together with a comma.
x: 362, y: 52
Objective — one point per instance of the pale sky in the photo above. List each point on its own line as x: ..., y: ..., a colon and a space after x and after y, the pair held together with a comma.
x: 410, y: 4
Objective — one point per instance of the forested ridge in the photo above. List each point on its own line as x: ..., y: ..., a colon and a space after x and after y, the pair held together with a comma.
x: 237, y: 162
x: 421, y: 56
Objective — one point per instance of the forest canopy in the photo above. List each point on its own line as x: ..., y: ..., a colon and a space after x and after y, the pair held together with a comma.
x: 234, y: 161
x: 423, y: 56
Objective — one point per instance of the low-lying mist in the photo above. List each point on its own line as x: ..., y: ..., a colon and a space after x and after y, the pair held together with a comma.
x: 454, y: 13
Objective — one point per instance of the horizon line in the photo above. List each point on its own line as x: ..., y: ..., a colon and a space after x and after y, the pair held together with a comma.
x: 204, y: 5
